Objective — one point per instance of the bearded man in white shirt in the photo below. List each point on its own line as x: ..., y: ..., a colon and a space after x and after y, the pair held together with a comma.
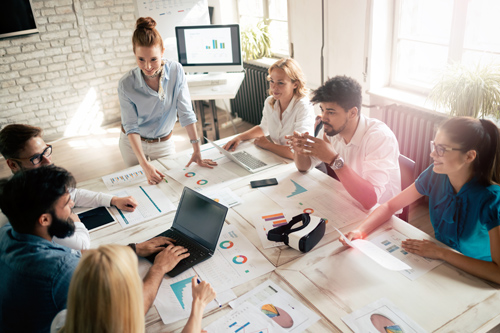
x: 362, y: 151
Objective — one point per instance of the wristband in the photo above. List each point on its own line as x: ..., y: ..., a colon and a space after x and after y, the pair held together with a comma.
x: 132, y: 246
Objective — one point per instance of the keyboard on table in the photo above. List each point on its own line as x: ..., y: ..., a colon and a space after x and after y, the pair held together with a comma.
x: 195, y: 252
x: 249, y: 160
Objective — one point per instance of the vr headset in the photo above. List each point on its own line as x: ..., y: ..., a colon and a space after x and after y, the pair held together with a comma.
x: 302, y: 238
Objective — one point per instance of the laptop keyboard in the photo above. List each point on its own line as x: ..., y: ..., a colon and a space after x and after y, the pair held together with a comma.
x: 249, y: 160
x: 195, y: 252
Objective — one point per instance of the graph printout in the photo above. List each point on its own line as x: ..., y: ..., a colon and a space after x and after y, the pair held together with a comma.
x: 267, y: 221
x: 151, y: 203
x: 278, y: 305
x: 175, y: 297
x: 299, y: 193
x: 235, y: 261
x: 244, y: 319
x: 125, y: 178
x: 390, y: 241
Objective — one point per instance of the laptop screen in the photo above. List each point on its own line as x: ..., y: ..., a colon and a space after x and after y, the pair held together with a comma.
x: 200, y: 218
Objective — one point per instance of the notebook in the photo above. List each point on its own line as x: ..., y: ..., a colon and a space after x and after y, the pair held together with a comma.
x: 248, y: 161
x: 197, y: 226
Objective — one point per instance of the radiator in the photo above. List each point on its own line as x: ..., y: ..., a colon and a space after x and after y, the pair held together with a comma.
x: 414, y: 129
x: 249, y: 100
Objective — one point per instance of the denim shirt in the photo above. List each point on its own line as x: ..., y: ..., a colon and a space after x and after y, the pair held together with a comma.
x: 461, y: 220
x: 35, y: 274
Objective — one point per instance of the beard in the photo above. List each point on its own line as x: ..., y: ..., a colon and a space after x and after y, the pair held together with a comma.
x: 334, y: 131
x: 61, y: 228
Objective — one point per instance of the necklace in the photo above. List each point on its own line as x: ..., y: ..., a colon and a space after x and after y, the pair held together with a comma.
x: 156, y: 74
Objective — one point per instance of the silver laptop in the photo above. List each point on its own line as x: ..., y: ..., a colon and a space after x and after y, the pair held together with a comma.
x: 247, y: 160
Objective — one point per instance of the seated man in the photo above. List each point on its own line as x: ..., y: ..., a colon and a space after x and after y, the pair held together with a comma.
x: 362, y: 151
x: 23, y: 148
x: 36, y: 272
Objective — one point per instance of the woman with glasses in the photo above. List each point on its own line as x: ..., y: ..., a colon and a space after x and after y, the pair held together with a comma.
x: 464, y: 199
x: 286, y: 110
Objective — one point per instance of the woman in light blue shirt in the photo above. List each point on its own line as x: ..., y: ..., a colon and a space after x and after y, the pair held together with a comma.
x: 152, y: 96
x: 464, y: 198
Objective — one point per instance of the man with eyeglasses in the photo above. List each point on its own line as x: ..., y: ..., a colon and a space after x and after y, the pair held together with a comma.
x: 23, y: 148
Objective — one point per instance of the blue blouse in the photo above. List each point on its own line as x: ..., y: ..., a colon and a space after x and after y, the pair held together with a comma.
x: 142, y: 110
x: 461, y: 220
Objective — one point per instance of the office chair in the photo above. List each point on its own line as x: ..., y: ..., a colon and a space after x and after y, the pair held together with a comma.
x: 407, y: 169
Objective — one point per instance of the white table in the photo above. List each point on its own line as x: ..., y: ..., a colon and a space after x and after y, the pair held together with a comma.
x: 332, y: 280
x: 211, y: 93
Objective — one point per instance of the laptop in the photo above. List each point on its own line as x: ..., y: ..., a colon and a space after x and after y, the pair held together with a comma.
x: 197, y: 226
x: 247, y: 160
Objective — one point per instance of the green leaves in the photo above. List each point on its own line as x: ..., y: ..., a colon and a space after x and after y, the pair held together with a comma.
x: 469, y: 91
x: 256, y: 41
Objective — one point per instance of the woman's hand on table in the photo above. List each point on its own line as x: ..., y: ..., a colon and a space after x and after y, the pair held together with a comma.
x: 207, y: 163
x: 351, y: 235
x: 423, y: 248
x: 154, y: 176
x: 231, y: 145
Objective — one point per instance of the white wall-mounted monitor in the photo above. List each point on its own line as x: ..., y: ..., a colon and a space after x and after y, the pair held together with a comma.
x: 209, y: 48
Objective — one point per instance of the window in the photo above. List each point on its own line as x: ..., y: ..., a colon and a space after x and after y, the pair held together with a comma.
x: 276, y: 12
x: 429, y: 34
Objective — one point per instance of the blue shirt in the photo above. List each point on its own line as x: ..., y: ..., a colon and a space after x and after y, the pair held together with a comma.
x: 461, y: 220
x: 34, y: 280
x: 142, y: 110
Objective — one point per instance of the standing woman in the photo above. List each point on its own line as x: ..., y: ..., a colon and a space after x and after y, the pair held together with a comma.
x: 464, y: 199
x: 105, y: 295
x: 152, y: 96
x: 287, y: 110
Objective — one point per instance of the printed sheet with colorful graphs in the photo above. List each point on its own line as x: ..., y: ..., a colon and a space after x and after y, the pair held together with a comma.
x: 124, y: 178
x: 175, y: 297
x: 244, y: 319
x: 381, y: 316
x: 235, y: 261
x: 390, y: 241
x: 299, y: 193
x: 278, y: 305
x: 200, y: 178
x: 267, y: 221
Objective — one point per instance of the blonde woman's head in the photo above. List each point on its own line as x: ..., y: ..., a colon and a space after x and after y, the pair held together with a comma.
x: 105, y: 293
x: 293, y: 71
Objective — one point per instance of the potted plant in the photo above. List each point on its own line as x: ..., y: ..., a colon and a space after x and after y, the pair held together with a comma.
x: 256, y: 41
x: 472, y: 91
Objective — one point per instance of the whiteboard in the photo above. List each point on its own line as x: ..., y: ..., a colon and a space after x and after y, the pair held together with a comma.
x: 169, y: 14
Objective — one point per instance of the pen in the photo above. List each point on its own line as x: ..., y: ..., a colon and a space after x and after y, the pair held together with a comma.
x: 215, y: 299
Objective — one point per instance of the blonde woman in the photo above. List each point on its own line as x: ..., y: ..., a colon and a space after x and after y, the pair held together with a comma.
x: 286, y: 110
x: 105, y: 295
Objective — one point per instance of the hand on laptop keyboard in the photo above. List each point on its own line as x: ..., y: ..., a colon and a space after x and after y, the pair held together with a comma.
x: 152, y: 246
x: 170, y: 257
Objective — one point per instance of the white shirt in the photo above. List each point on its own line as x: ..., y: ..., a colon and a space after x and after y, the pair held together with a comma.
x: 373, y: 153
x: 298, y: 116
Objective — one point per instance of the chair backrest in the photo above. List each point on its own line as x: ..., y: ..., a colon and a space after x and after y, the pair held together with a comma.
x: 407, y: 169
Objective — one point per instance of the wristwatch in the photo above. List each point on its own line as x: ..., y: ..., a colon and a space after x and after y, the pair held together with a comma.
x: 194, y: 141
x: 337, y: 163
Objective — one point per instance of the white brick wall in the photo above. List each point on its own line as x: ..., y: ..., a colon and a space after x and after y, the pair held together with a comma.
x: 82, y: 45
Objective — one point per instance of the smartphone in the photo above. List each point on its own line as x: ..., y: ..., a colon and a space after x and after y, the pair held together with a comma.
x: 263, y: 182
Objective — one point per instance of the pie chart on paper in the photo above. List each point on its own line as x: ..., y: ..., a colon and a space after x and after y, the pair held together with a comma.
x: 280, y: 316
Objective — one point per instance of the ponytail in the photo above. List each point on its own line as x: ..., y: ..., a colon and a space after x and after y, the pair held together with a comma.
x: 492, y: 156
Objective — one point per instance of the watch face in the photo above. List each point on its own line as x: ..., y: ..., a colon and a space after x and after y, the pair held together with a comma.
x: 338, y: 163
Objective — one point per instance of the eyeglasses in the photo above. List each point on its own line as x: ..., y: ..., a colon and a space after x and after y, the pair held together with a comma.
x: 37, y: 158
x: 440, y: 149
